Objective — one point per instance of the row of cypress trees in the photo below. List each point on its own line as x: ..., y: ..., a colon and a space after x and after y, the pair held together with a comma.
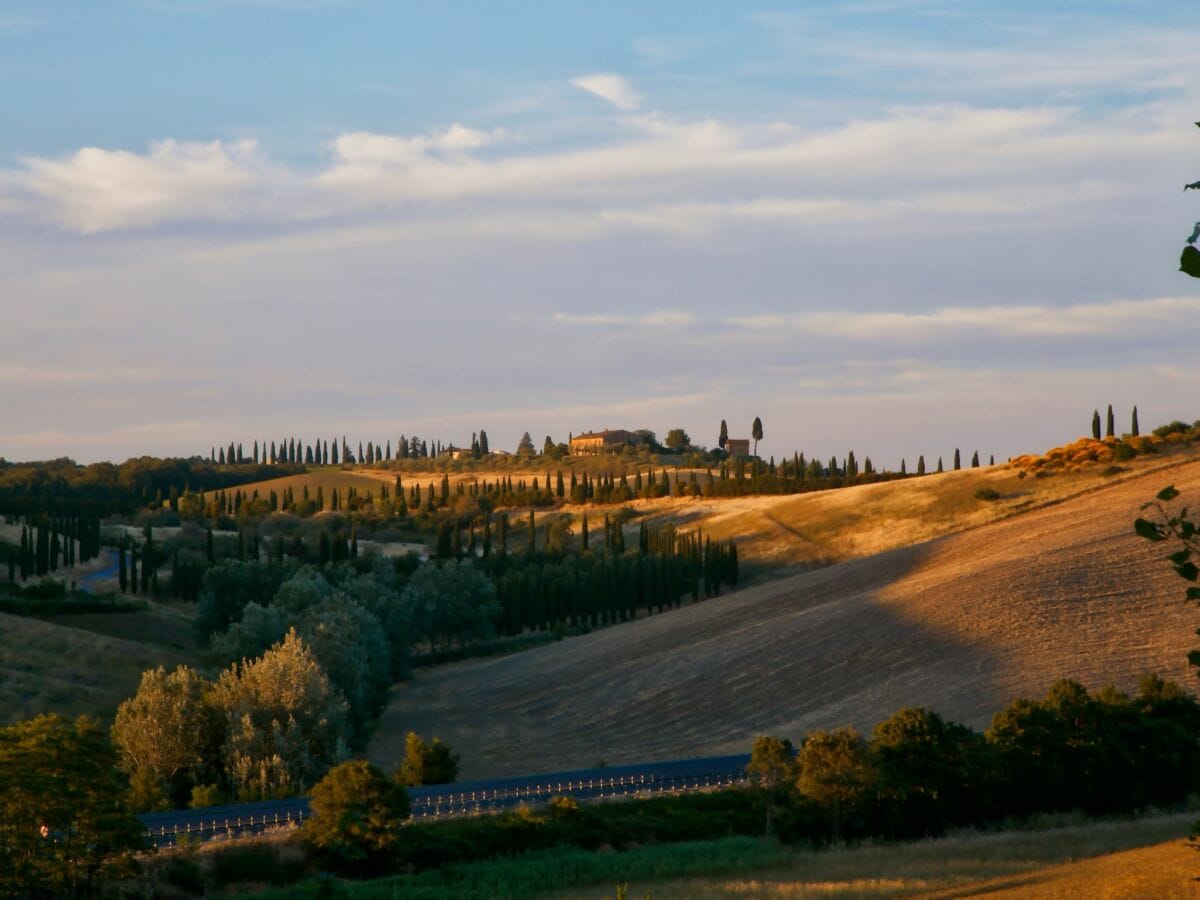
x: 1110, y: 423
x: 295, y: 451
x: 52, y: 542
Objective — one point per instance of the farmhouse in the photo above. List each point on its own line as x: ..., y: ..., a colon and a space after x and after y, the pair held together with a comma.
x: 737, y: 447
x: 613, y: 441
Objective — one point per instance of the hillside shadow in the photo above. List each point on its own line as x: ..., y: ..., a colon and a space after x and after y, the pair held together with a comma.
x: 816, y: 650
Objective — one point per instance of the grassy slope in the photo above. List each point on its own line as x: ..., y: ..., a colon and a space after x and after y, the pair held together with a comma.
x: 963, y: 624
x: 1013, y: 863
x: 85, y: 663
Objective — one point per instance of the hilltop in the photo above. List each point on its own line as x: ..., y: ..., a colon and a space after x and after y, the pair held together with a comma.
x: 962, y: 623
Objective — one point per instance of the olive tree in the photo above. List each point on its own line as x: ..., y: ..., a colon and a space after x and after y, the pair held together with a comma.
x: 285, y: 722
x: 168, y: 735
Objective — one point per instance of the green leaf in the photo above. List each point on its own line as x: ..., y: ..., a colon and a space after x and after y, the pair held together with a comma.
x: 1193, y: 593
x: 1189, y: 261
x: 1168, y: 493
x: 1188, y: 571
x: 1179, y: 557
x: 1148, y: 530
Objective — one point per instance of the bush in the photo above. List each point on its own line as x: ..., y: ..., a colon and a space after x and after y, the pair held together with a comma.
x: 988, y: 494
x: 356, y: 816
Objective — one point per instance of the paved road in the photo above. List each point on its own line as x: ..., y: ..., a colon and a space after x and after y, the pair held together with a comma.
x: 470, y: 797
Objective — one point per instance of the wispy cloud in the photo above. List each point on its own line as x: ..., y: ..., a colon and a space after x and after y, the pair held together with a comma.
x: 657, y: 173
x: 1081, y: 319
x: 663, y: 317
x: 613, y: 88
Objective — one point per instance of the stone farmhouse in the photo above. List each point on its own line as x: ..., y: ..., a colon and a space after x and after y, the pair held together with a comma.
x: 596, y: 442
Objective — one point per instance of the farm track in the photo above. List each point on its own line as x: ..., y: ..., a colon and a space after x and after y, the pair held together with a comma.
x: 962, y: 624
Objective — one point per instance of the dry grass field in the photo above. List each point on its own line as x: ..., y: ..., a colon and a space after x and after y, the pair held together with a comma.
x: 1139, y: 860
x: 777, y: 534
x: 962, y: 623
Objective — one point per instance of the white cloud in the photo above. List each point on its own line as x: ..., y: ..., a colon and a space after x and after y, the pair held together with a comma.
x: 96, y: 190
x: 613, y: 88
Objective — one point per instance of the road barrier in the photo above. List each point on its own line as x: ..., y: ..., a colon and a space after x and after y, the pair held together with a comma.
x: 452, y: 801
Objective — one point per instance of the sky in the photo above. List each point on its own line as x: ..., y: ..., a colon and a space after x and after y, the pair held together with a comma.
x: 896, y: 228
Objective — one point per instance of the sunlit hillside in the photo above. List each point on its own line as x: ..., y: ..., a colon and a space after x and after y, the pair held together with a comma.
x: 963, y: 624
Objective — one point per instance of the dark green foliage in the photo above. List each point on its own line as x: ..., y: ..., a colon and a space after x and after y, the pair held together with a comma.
x: 232, y: 584
x: 1096, y: 424
x: 356, y: 818
x: 62, y: 777
x: 1133, y: 423
x: 432, y: 763
x: 1189, y: 261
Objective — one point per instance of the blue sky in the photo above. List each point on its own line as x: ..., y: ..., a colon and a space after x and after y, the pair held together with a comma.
x: 893, y: 227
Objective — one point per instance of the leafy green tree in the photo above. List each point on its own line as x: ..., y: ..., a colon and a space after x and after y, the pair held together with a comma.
x: 258, y: 629
x: 772, y: 767
x: 835, y: 774
x: 168, y: 733
x: 432, y: 763
x: 350, y: 645
x: 929, y: 772
x: 677, y: 440
x: 450, y: 604
x: 525, y: 446
x: 356, y: 818
x: 65, y: 825
x: 285, y: 721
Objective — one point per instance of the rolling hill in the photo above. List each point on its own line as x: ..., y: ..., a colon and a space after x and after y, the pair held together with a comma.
x: 962, y: 623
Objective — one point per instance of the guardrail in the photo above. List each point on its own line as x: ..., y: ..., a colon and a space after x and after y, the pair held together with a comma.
x: 448, y: 804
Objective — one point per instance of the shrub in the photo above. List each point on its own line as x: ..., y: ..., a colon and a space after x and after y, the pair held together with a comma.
x: 356, y: 816
x: 987, y: 493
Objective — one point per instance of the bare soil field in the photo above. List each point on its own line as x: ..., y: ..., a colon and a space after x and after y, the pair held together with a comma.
x: 963, y: 624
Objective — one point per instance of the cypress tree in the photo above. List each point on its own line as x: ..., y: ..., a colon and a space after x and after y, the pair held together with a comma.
x: 940, y: 468
x: 1095, y: 424
x: 583, y: 534
x: 1133, y: 423
x: 1110, y: 425
x: 975, y: 460
x: 921, y: 464
x: 723, y: 437
x: 503, y: 534
x: 24, y: 552
x: 902, y: 470
x: 354, y: 542
x: 957, y: 460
